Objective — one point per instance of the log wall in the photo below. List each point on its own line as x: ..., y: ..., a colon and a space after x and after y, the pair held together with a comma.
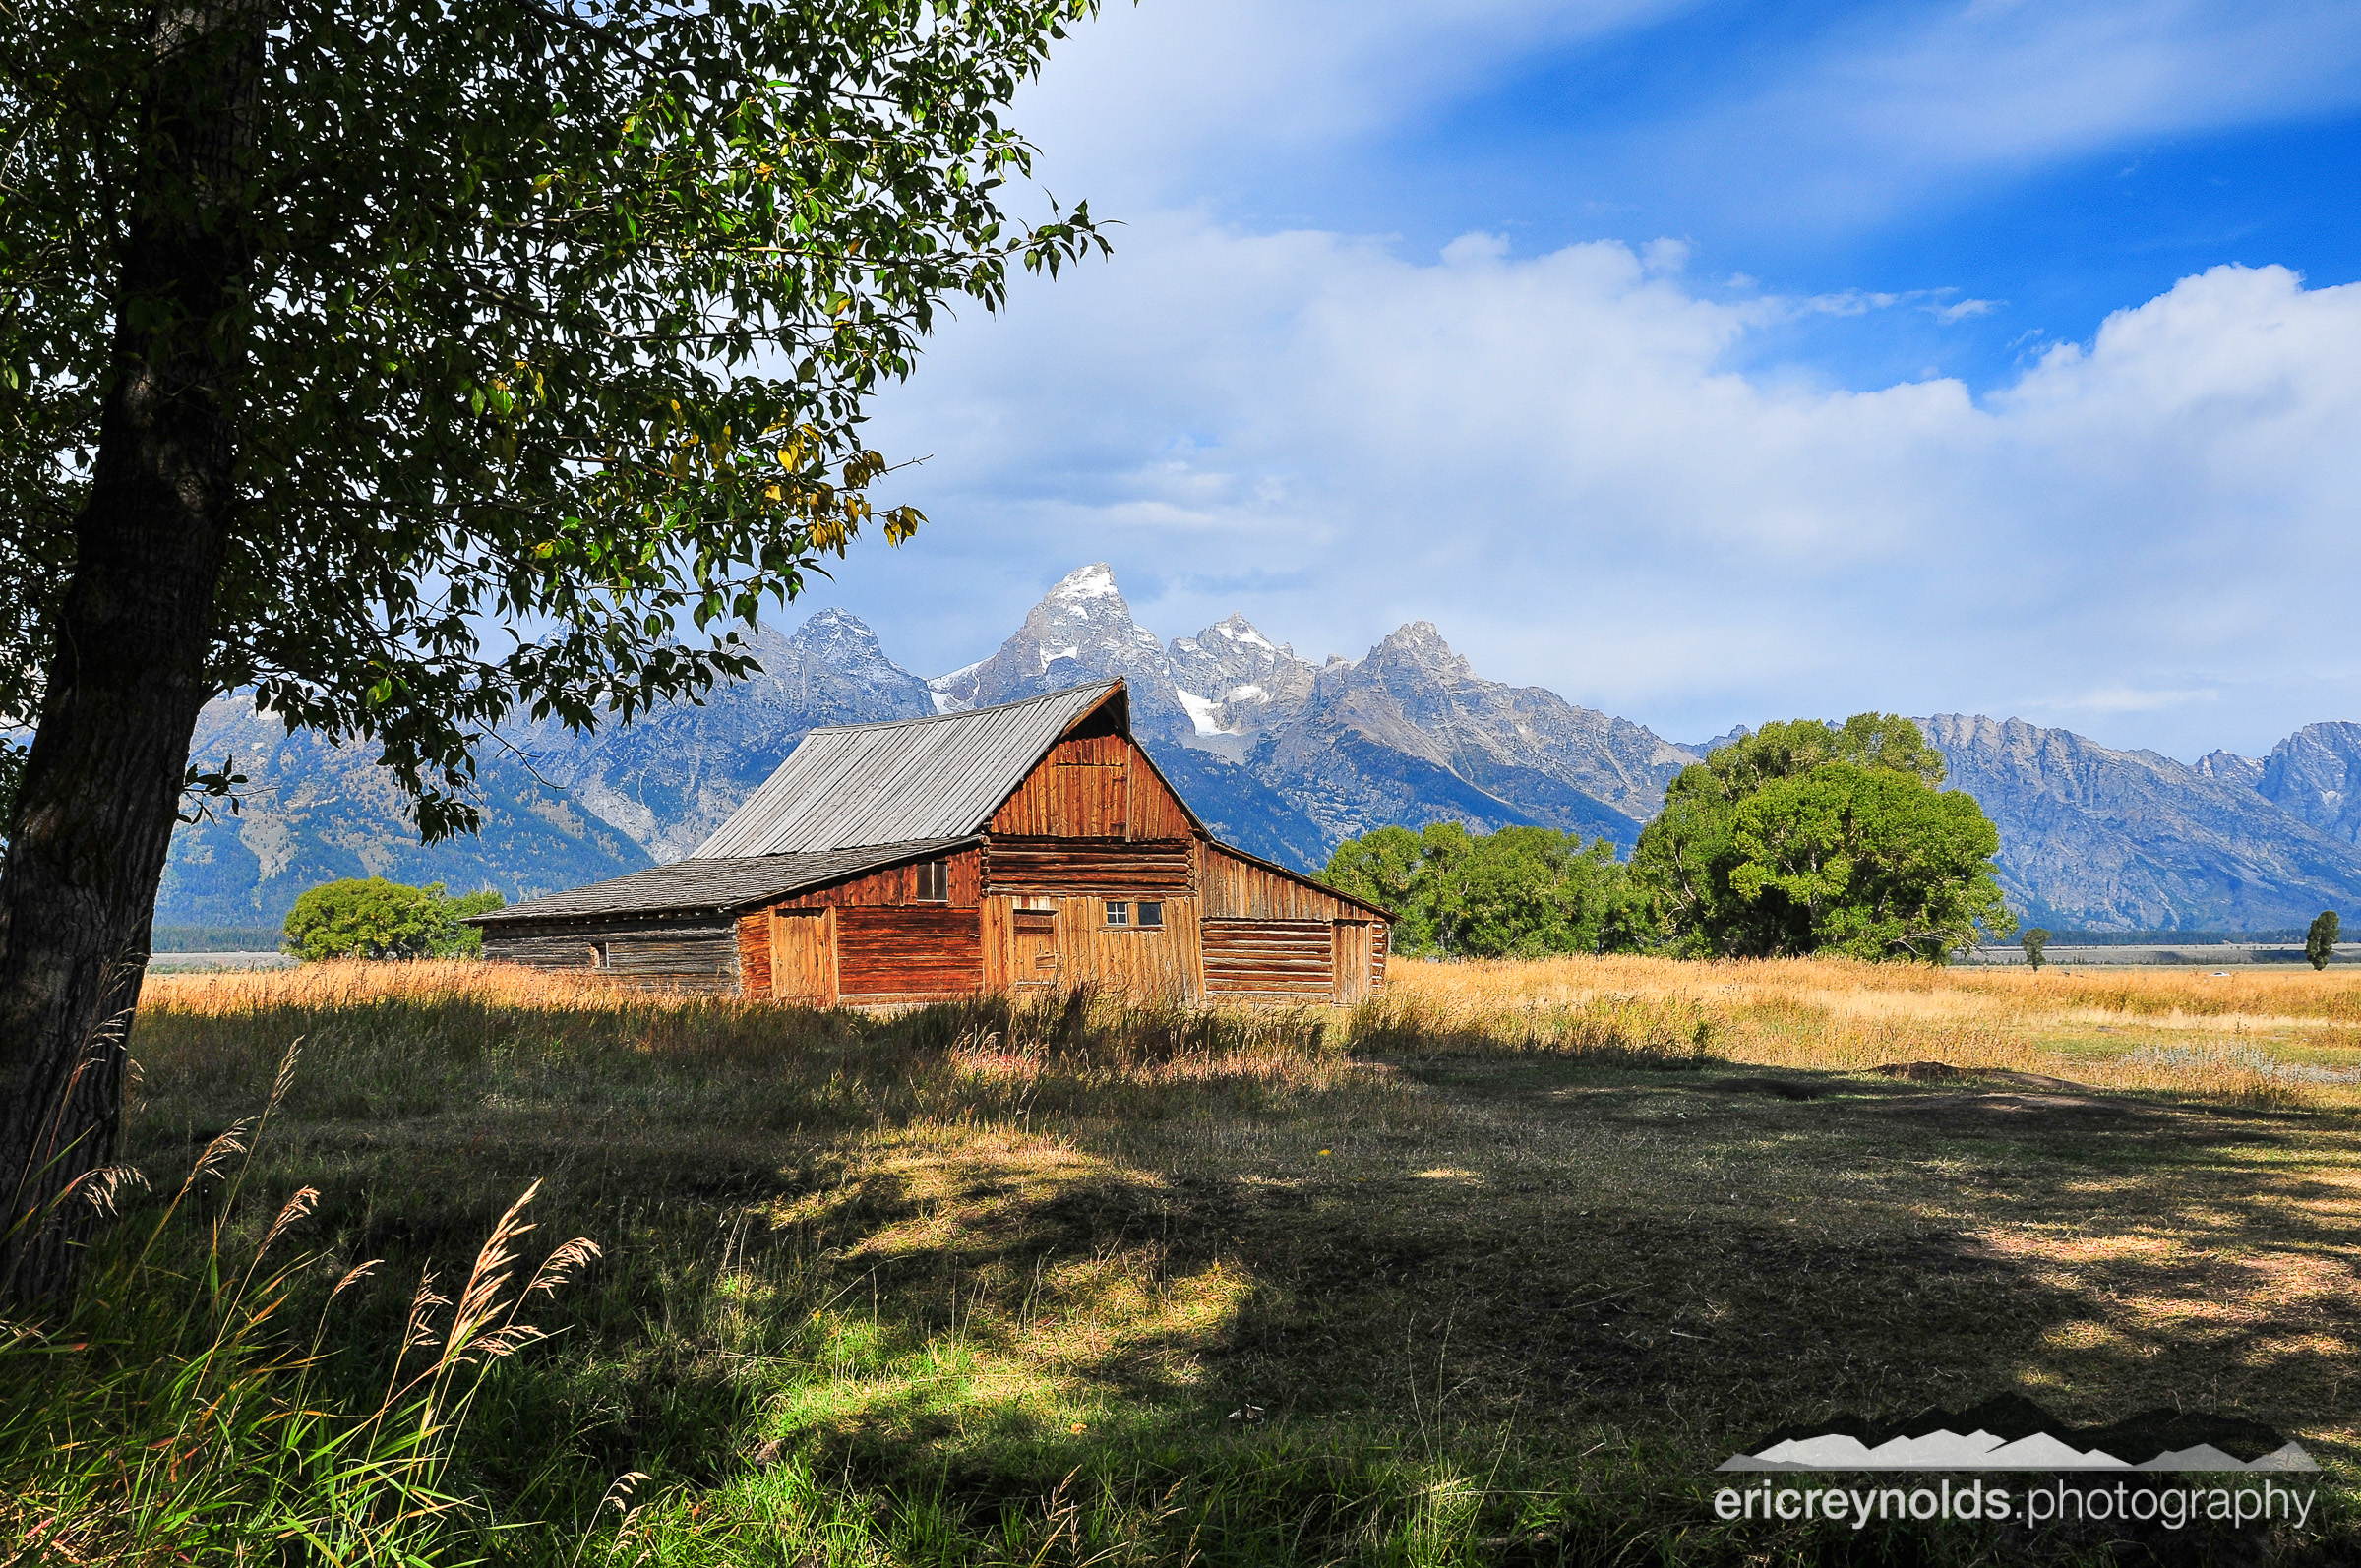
x: 1233, y: 931
x: 916, y: 950
x: 1061, y: 867
x: 651, y: 952
x: 1270, y: 961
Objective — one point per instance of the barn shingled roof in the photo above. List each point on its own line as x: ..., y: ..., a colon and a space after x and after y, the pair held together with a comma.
x: 938, y: 777
x: 713, y: 887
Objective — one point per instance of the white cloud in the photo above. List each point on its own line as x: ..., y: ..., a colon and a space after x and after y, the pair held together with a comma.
x: 1840, y: 118
x: 1551, y: 458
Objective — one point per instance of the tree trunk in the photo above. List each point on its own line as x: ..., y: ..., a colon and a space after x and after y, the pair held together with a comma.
x: 102, y: 783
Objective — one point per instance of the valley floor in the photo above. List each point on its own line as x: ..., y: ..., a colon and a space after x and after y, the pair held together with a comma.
x: 1496, y: 1270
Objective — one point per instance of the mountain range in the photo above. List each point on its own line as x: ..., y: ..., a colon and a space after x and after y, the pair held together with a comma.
x: 1282, y: 756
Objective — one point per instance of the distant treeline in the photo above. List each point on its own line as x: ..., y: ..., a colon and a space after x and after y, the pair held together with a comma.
x: 216, y: 939
x: 2059, y: 937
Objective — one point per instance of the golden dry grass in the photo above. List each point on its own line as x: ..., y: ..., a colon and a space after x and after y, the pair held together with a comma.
x: 2255, y: 1036
x: 350, y: 983
x: 1609, y: 1217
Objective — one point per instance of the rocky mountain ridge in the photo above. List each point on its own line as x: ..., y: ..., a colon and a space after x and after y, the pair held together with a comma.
x: 312, y: 812
x: 2101, y: 839
x: 668, y: 779
x: 1284, y: 758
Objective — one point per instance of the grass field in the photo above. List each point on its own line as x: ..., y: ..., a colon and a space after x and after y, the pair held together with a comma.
x: 1494, y: 1270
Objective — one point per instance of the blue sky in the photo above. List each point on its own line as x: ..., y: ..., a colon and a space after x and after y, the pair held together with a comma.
x: 1705, y: 363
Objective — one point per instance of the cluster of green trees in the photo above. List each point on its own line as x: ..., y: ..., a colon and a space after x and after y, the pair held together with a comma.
x: 1523, y: 892
x: 1803, y: 837
x: 373, y: 918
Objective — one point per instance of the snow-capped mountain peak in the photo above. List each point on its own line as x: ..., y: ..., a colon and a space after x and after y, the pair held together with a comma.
x: 1237, y: 681
x: 1084, y: 583
x: 1080, y: 631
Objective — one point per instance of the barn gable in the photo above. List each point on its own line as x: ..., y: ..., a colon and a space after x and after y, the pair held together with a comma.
x: 940, y: 777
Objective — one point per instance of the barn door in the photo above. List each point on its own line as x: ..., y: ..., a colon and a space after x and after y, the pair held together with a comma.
x: 1034, y: 933
x: 1351, y: 951
x: 803, y: 955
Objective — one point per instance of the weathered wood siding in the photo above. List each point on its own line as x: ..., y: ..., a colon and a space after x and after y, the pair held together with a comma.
x: 753, y: 954
x: 1061, y: 867
x: 789, y: 955
x: 1026, y: 911
x: 1235, y: 888
x: 1156, y: 812
x: 1269, y: 960
x: 915, y: 950
x: 998, y: 944
x: 1351, y: 950
x: 897, y: 885
x: 1093, y: 787
x: 1035, y: 961
x: 670, y: 954
x: 1149, y: 963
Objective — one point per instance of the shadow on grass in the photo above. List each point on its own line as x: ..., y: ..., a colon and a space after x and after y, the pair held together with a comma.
x: 1455, y: 1303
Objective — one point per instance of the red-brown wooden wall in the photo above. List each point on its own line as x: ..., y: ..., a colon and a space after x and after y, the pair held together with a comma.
x: 1098, y: 786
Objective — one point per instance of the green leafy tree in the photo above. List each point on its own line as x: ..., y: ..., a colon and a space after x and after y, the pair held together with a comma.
x: 2034, y: 941
x: 1382, y: 867
x: 1534, y: 891
x: 374, y: 918
x: 1522, y: 892
x: 2320, y: 943
x: 414, y: 366
x: 1812, y: 837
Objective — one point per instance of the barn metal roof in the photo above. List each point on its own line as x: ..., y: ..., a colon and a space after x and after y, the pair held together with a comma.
x: 719, y: 886
x: 906, y: 779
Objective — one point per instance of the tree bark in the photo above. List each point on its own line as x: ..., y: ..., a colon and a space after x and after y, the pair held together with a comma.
x: 102, y: 783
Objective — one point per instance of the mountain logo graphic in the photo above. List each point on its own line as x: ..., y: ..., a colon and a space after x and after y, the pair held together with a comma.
x: 2011, y: 1432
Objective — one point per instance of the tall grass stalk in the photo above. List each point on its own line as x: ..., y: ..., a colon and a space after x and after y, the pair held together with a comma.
x: 170, y: 1414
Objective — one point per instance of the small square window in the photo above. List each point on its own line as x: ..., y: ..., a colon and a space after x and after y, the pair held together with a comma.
x: 1118, y: 913
x: 1151, y: 913
x: 934, y: 882
x: 598, y: 956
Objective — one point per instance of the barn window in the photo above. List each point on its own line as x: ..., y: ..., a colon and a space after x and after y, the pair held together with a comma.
x: 1118, y: 913
x: 934, y: 882
x: 598, y: 956
x: 1151, y: 913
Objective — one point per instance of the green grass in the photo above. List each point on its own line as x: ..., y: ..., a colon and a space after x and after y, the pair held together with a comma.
x: 1093, y: 1285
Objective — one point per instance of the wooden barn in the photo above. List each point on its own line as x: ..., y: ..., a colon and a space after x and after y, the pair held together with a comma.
x: 1018, y: 848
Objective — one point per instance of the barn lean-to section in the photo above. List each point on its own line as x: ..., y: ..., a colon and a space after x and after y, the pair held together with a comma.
x: 1023, y: 849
